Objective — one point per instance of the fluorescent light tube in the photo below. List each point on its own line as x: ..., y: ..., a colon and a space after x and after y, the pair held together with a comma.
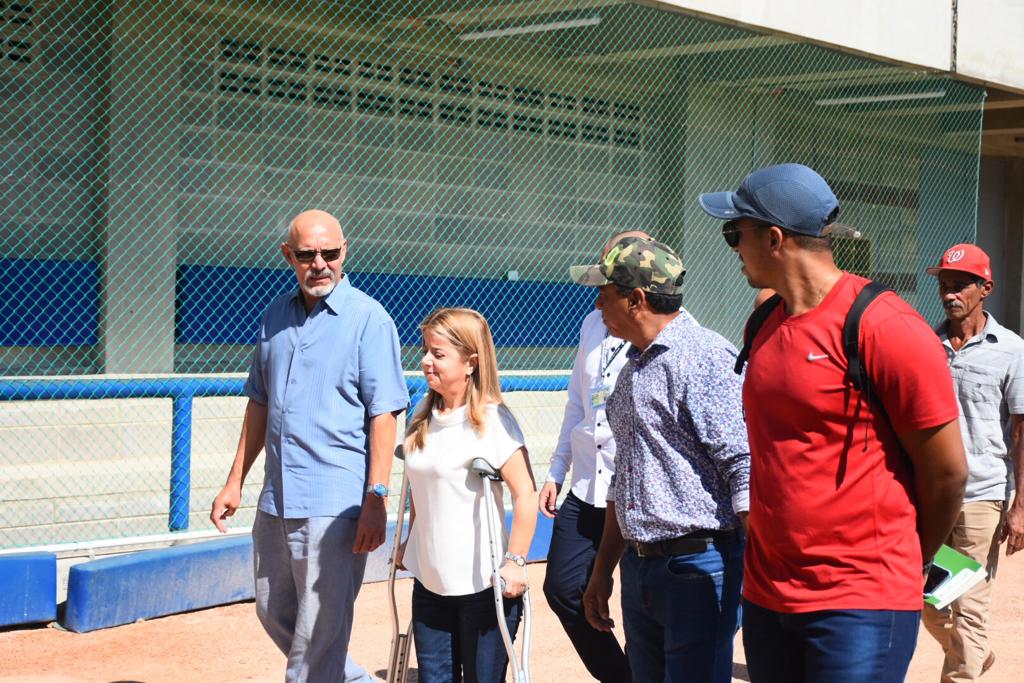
x: 530, y: 28
x: 871, y: 99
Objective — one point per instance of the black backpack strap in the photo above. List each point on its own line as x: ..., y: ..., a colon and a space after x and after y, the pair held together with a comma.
x: 754, y: 323
x: 851, y: 335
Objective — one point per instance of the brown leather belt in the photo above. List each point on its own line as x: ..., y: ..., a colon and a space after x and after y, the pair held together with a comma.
x: 693, y: 542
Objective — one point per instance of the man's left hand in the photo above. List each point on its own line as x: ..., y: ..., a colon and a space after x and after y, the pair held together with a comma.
x: 373, y: 521
x: 1013, y: 529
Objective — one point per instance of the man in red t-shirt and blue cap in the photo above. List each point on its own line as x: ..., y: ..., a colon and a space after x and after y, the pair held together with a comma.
x: 850, y: 494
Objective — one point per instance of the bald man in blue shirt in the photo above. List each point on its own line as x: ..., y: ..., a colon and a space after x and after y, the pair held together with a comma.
x: 325, y: 388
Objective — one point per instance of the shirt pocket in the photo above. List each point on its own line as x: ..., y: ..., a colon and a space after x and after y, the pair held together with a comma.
x: 981, y: 394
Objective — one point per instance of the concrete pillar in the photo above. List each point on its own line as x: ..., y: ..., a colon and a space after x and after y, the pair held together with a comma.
x: 1013, y: 285
x: 724, y: 142
x: 992, y: 231
x: 139, y: 235
x: 947, y: 213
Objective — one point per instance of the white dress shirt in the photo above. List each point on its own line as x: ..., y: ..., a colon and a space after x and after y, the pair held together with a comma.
x: 585, y: 442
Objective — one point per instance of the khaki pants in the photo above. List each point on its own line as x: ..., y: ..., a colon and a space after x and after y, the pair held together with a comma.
x: 962, y: 630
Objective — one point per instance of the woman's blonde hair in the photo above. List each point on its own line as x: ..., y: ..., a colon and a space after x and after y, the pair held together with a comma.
x: 469, y: 333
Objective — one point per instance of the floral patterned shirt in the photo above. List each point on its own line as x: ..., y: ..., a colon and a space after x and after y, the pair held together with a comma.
x: 683, y: 463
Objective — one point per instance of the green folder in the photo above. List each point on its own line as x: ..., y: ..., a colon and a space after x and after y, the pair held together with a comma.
x: 952, y: 574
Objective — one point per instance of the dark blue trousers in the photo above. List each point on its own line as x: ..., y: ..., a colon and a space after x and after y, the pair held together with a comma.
x: 574, y: 542
x: 833, y: 646
x: 457, y: 637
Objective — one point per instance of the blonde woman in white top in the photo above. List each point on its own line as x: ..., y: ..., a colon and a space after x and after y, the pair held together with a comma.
x: 462, y: 417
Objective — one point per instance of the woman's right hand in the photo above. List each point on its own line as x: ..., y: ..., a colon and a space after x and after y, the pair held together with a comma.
x: 548, y: 499
x: 514, y: 578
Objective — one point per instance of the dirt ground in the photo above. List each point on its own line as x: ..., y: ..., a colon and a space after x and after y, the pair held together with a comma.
x: 227, y: 644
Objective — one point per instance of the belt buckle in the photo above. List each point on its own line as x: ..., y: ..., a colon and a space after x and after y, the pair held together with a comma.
x: 639, y: 546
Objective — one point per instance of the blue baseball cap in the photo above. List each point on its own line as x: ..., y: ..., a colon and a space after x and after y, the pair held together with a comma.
x: 791, y: 196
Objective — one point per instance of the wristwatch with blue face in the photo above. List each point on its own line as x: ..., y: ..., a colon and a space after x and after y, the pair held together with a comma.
x: 379, y: 490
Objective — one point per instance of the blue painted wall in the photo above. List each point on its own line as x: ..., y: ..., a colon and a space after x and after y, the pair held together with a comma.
x: 218, y: 305
x: 49, y: 303
x: 222, y: 305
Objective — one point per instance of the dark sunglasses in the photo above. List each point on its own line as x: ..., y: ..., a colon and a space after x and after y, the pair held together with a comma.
x: 731, y: 232
x: 309, y: 255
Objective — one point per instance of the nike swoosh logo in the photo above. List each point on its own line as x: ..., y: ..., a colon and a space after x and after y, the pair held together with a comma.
x: 811, y: 357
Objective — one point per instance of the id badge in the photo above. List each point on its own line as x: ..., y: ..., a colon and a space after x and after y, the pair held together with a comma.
x: 599, y: 396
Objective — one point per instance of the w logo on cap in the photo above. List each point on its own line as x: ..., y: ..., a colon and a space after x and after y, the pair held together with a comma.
x: 966, y: 258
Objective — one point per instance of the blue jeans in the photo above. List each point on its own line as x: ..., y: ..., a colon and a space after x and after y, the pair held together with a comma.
x: 574, y: 542
x: 680, y: 613
x: 457, y: 636
x: 837, y: 646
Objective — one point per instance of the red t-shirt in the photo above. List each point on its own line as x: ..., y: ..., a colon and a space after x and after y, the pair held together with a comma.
x: 832, y: 519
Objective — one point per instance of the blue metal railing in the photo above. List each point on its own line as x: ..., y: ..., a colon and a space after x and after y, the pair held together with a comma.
x: 181, y: 391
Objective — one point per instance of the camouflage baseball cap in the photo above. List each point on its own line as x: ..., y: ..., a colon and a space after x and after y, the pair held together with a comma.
x: 635, y: 263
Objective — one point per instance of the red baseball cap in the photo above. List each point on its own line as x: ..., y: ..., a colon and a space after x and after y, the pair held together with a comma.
x: 967, y: 258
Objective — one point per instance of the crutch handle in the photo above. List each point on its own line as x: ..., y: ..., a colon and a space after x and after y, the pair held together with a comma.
x: 484, y: 469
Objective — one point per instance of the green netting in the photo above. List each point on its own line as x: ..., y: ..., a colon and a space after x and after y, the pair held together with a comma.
x: 152, y: 153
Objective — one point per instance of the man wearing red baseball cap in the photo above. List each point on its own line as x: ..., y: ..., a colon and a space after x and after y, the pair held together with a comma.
x: 987, y: 364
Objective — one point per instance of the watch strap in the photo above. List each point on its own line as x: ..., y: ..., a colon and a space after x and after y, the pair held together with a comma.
x: 379, y: 490
x: 518, y: 559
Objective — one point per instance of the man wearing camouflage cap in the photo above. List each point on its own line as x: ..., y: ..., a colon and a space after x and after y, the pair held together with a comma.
x: 679, y: 494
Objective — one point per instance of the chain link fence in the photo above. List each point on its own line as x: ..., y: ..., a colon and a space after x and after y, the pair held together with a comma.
x: 152, y: 154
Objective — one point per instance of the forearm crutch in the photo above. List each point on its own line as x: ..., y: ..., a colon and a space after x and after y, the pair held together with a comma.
x: 398, y: 662
x: 520, y: 667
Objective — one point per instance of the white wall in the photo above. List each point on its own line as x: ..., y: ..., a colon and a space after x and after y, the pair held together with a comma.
x: 912, y: 31
x: 989, y: 45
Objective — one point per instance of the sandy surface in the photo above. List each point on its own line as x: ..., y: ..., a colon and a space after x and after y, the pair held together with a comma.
x: 227, y: 644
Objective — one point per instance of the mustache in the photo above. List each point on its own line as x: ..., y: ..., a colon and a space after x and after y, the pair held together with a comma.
x: 951, y: 304
x: 314, y: 274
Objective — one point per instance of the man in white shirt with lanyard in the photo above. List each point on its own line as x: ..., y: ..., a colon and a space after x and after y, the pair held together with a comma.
x: 586, y: 445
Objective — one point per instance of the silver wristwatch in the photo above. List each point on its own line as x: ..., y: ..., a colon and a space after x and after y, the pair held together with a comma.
x: 518, y: 559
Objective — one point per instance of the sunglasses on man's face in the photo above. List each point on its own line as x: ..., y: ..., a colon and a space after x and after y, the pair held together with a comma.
x: 731, y: 233
x: 732, y: 230
x: 309, y: 255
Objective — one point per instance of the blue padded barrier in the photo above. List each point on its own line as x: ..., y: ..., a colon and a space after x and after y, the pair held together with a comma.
x: 28, y: 588
x: 541, y: 537
x: 153, y: 583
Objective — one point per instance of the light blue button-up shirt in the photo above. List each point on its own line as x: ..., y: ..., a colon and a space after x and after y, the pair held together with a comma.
x: 322, y: 377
